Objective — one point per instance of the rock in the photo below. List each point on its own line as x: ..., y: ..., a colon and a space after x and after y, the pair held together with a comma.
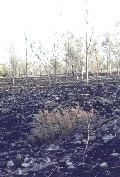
x: 31, y: 162
x: 29, y: 145
x: 22, y: 172
x: 92, y: 138
x: 84, y: 141
x: 104, y: 165
x: 18, y: 157
x: 106, y: 138
x: 47, y: 159
x: 118, y: 95
x: 26, y: 159
x: 9, y: 171
x: 10, y: 164
x: 104, y: 100
x: 77, y: 142
x: 36, y: 167
x: 114, y: 154
x: 19, y: 171
x: 117, y: 111
x: 118, y: 131
x: 12, y: 144
x: 70, y: 164
x: 25, y: 165
x: 56, y: 98
x: 78, y: 136
x: 82, y: 164
x: 53, y: 147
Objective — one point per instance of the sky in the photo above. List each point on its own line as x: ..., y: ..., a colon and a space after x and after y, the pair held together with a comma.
x: 40, y: 19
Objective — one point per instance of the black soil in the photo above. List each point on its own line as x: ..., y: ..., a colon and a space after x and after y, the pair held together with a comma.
x: 20, y: 157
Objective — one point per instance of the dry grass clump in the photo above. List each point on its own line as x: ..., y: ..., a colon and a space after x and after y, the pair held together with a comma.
x: 57, y: 123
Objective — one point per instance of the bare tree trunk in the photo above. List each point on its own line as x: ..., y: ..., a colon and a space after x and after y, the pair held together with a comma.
x: 26, y: 69
x: 66, y: 67
x: 26, y: 64
x: 55, y: 70
x: 109, y: 56
x: 68, y: 57
x: 118, y: 69
x: 97, y: 66
x: 13, y: 78
x: 19, y: 72
x: 40, y: 69
x: 82, y: 73
x: 110, y: 72
x: 118, y: 72
x: 87, y: 79
x: 55, y: 63
x: 48, y: 73
x: 107, y: 64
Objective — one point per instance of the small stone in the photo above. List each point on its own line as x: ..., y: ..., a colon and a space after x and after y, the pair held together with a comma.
x: 31, y: 163
x: 68, y: 163
x: 77, y: 142
x: 82, y: 164
x: 25, y: 165
x: 36, y: 167
x: 26, y: 159
x: 19, y: 171
x: 47, y: 159
x: 104, y: 165
x: 12, y: 144
x: 106, y: 138
x: 115, y: 154
x: 29, y: 145
x: 92, y: 138
x: 9, y: 171
x: 78, y: 136
x: 71, y: 167
x: 84, y: 141
x: 18, y: 156
x: 10, y: 164
x: 118, y: 131
x: 57, y: 98
x: 53, y: 147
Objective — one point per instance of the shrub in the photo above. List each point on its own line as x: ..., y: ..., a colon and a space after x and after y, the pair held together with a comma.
x: 57, y: 123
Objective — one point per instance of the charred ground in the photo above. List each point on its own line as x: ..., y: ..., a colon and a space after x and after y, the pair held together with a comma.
x: 19, y: 156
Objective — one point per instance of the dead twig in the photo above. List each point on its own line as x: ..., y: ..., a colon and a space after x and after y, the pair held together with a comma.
x: 53, y: 170
x: 88, y: 139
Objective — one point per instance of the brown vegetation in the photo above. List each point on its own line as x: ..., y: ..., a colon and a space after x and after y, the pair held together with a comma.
x: 58, y: 123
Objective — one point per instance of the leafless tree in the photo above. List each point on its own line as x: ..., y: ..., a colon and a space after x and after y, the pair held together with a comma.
x: 39, y: 53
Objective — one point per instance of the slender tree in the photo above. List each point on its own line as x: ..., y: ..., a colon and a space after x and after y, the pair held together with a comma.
x: 106, y: 44
x: 12, y: 61
x: 116, y: 47
x: 26, y: 56
x: 86, y: 38
x: 37, y: 50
